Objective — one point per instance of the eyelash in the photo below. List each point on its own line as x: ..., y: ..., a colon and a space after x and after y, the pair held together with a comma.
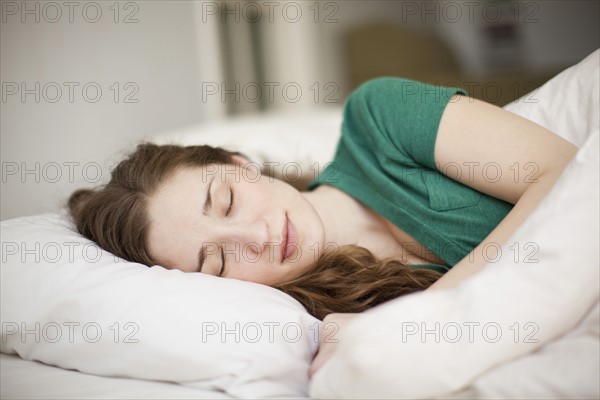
x: 231, y: 203
x: 222, y: 263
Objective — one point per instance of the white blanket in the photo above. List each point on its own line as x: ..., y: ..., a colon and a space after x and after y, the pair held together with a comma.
x: 527, y: 326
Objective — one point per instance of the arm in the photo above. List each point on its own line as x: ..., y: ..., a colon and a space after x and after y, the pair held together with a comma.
x: 474, y: 131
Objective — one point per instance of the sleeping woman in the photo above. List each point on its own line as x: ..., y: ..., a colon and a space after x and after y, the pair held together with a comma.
x: 426, y: 184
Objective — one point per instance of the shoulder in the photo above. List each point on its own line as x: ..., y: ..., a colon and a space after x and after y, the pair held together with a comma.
x: 401, y: 90
x: 381, y: 88
x: 398, y: 116
x: 373, y: 105
x: 389, y: 101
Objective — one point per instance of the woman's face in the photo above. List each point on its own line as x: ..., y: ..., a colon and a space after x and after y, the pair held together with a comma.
x: 231, y: 221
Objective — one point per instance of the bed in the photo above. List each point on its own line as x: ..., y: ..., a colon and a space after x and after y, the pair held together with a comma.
x: 79, y: 323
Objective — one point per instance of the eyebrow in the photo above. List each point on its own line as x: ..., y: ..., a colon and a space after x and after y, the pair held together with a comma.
x: 205, y: 209
x: 201, y: 258
x: 208, y: 201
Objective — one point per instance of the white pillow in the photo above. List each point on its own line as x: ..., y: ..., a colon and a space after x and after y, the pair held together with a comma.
x: 296, y: 146
x: 504, y: 312
x: 67, y: 303
x: 378, y: 356
x: 567, y: 104
x: 66, y: 278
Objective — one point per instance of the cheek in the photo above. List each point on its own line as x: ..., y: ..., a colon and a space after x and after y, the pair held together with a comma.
x: 170, y: 250
x: 261, y: 270
x: 260, y: 195
x: 154, y: 245
x: 252, y: 274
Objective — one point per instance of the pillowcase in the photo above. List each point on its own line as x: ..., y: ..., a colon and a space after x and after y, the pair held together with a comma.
x: 505, y: 323
x: 432, y: 344
x: 568, y: 104
x: 294, y: 146
x: 66, y: 302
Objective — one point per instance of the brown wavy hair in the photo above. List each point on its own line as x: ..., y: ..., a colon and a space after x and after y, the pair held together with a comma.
x: 349, y: 279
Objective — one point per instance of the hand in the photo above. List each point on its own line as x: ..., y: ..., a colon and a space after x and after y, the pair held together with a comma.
x: 329, y: 338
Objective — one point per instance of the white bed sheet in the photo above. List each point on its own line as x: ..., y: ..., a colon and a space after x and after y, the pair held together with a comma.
x: 556, y: 292
x: 22, y: 379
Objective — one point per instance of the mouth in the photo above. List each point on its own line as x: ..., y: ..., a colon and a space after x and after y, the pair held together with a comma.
x: 288, y: 242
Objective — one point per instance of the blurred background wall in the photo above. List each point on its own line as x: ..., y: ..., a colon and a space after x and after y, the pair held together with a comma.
x: 83, y: 81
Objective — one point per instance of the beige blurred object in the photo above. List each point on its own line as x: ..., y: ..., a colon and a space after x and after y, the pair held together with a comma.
x: 381, y: 49
x: 386, y: 50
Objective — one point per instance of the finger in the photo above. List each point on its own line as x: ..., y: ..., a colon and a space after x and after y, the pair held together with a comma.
x: 319, y: 360
x: 316, y: 354
x: 314, y: 367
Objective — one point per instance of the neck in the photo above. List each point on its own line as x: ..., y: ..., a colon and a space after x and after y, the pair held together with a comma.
x: 323, y: 203
x: 334, y: 213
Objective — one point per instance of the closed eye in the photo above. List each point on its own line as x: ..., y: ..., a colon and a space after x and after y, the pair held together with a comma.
x: 231, y: 201
x: 222, y: 263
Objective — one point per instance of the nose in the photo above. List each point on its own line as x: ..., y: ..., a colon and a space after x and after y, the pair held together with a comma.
x: 251, y: 236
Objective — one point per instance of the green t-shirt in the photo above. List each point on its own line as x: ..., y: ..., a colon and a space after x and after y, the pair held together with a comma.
x: 385, y: 159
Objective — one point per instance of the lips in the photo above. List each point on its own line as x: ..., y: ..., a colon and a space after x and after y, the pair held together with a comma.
x: 289, y: 238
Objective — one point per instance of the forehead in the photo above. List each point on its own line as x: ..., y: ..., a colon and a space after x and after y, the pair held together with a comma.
x: 180, y: 189
x: 183, y: 193
x: 204, y: 174
x: 173, y: 210
x: 183, y: 174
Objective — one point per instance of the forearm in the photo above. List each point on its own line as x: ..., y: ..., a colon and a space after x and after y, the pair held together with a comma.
x: 476, y: 260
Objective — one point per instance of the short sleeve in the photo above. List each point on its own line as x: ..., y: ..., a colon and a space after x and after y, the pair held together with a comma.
x: 385, y: 159
x: 398, y: 115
